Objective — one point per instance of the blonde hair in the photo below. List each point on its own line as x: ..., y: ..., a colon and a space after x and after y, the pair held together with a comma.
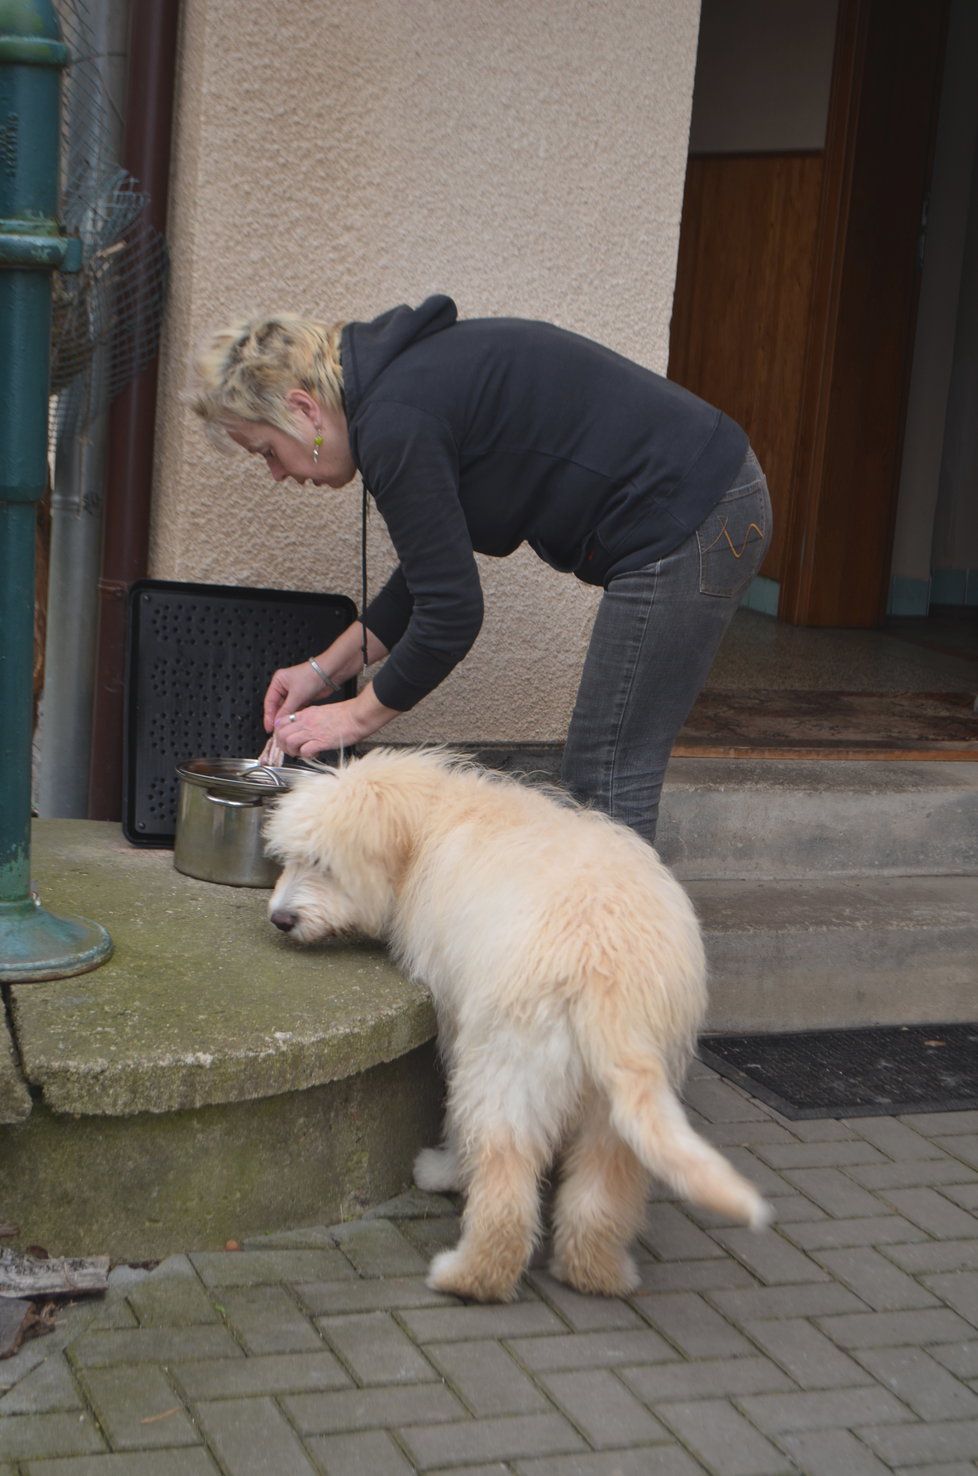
x: 246, y: 372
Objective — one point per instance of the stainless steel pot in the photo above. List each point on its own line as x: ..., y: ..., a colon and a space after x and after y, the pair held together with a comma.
x: 219, y: 819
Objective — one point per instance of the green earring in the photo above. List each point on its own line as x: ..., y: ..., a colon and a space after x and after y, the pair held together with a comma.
x: 317, y: 442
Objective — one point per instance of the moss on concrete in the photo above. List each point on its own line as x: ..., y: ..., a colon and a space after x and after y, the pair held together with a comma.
x: 203, y: 1002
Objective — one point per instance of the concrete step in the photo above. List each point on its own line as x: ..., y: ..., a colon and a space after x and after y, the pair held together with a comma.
x: 825, y: 952
x: 781, y: 818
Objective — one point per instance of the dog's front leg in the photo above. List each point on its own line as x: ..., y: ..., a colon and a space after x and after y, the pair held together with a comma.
x: 500, y: 1224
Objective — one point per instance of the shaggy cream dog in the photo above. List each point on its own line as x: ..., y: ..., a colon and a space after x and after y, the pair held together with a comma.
x: 568, y: 976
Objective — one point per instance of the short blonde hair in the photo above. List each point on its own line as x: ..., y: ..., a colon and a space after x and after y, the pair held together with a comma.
x: 246, y: 372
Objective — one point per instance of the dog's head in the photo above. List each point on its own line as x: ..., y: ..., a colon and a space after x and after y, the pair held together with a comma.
x: 344, y: 838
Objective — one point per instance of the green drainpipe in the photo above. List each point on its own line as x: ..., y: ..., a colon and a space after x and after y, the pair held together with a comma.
x: 34, y: 943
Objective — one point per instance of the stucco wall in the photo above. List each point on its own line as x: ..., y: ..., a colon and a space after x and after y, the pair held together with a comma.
x: 526, y: 156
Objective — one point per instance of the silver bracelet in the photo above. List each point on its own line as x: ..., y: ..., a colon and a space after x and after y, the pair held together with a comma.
x: 327, y: 681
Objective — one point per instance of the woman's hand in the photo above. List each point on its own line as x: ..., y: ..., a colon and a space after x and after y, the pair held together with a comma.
x: 291, y: 688
x: 306, y: 733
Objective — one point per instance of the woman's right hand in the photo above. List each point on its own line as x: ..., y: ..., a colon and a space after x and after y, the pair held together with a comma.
x: 290, y: 689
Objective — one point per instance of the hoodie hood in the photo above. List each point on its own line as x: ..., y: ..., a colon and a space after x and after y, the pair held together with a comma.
x: 368, y: 348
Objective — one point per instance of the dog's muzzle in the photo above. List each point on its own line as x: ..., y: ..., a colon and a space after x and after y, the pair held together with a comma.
x: 284, y: 920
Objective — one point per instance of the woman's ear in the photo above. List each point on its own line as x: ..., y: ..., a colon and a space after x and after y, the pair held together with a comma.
x: 301, y: 403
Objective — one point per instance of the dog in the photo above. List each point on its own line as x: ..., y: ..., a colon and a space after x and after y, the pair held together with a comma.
x: 567, y: 970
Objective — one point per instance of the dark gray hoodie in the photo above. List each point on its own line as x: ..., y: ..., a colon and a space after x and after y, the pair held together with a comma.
x: 483, y: 434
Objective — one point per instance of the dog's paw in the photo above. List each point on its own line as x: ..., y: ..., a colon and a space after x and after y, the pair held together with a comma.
x: 452, y: 1272
x: 436, y: 1171
x: 601, y: 1276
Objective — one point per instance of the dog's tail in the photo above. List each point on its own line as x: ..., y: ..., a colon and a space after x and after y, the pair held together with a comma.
x: 648, y: 1115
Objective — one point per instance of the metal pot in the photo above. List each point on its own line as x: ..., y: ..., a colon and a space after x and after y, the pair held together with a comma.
x: 219, y: 819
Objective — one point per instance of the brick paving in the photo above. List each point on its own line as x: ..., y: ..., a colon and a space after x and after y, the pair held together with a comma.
x: 842, y: 1342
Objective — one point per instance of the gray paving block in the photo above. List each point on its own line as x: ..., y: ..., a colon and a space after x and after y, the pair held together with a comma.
x: 277, y: 1373
x: 372, y: 1409
x: 915, y: 1445
x: 929, y: 1389
x: 467, y: 1322
x: 672, y: 1236
x: 607, y: 1414
x: 185, y: 1461
x: 375, y: 1348
x: 592, y: 1350
x: 172, y: 1300
x: 935, y: 1255
x: 251, y: 1437
x: 580, y: 1312
x: 153, y: 1345
x: 705, y: 1378
x: 681, y: 1276
x: 413, y: 1204
x: 832, y: 1453
x: 811, y: 1358
x: 762, y: 1302
x: 720, y: 1101
x: 896, y: 1329
x: 936, y: 1124
x: 825, y: 1409
x: 367, y: 1453
x: 48, y: 1387
x: 925, y: 1172
x: 487, y: 1378
x: 934, y: 1212
x: 959, y: 1289
x: 834, y: 1192
x: 964, y: 1194
x: 770, y: 1257
x: 504, y: 1439
x: 252, y: 1268
x: 267, y: 1319
x: 788, y: 1208
x: 874, y: 1279
x: 693, y: 1326
x: 377, y: 1248
x: 837, y: 1234
x: 309, y: 1237
x: 658, y: 1460
x: 960, y: 1358
x: 961, y: 1145
x: 332, y: 1297
x: 137, y: 1408
x: 32, y: 1437
x: 714, y: 1431
x: 838, y: 1154
x: 893, y: 1137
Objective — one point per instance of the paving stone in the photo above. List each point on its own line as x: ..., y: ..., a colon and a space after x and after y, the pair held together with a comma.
x: 895, y: 1329
x: 173, y: 1299
x: 935, y: 1255
x: 277, y: 1373
x: 837, y: 1234
x: 960, y: 1358
x: 606, y: 1413
x: 745, y: 1134
x: 946, y: 1468
x: 252, y: 1268
x: 592, y: 1350
x: 879, y: 1283
x: 369, y: 1296
x: 251, y: 1437
x: 680, y: 1276
x: 511, y: 1321
x: 136, y: 1407
x: 717, y: 1101
x: 46, y: 1388
x: 770, y: 1257
x: 811, y: 1358
x: 500, y: 1439
x: 826, y: 1409
x: 432, y: 1236
x: 580, y: 1312
x: 377, y: 1248
x: 487, y: 1378
x: 964, y: 1194
x: 413, y: 1204
x: 153, y: 1345
x: 365, y: 1409
x: 938, y: 1123
x: 762, y: 1302
x: 705, y: 1378
x: 933, y: 1212
x: 832, y: 1453
x: 723, y: 1439
x: 267, y: 1320
x: 963, y: 1145
x: 767, y: 1180
x: 927, y: 1171
x: 814, y: 1129
x: 310, y: 1237
x: 834, y: 1192
x: 694, y: 1326
x: 922, y: 1383
x: 31, y: 1437
x: 787, y: 1208
x: 894, y: 1138
x: 375, y: 1348
x: 656, y: 1460
x: 913, y: 1445
x: 959, y: 1289
x: 180, y: 1462
x: 818, y: 1155
x: 368, y: 1453
x: 671, y: 1235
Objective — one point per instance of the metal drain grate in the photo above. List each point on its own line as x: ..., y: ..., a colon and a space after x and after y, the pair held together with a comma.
x: 198, y: 663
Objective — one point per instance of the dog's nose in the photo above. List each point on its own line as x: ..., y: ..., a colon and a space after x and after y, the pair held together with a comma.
x: 284, y: 920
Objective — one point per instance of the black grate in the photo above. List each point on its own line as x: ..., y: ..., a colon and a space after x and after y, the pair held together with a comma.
x: 868, y: 1072
x: 198, y: 664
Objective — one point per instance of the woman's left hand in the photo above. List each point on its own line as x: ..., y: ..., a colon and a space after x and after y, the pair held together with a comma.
x: 309, y: 731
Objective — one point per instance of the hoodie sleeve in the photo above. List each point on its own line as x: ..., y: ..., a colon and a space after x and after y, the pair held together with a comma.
x: 409, y: 462
x: 389, y: 611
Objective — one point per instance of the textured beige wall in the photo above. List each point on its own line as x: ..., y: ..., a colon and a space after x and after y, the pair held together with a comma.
x: 526, y: 156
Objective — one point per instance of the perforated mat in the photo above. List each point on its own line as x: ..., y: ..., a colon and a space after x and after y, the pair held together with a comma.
x: 868, y: 1072
x: 198, y: 664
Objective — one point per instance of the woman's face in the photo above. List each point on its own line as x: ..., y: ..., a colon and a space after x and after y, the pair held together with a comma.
x: 291, y: 456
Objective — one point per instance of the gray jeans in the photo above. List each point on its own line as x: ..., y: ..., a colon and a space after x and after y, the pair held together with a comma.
x: 656, y: 633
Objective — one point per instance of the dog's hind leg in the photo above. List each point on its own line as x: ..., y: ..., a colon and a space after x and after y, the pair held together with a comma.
x: 600, y: 1205
x: 438, y: 1170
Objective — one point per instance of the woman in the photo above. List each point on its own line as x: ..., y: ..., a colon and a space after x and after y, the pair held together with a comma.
x: 478, y: 435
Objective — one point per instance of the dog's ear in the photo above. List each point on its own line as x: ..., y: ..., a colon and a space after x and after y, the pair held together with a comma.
x: 296, y: 824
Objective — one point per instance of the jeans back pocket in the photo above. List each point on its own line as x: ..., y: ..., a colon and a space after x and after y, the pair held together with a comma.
x: 733, y: 540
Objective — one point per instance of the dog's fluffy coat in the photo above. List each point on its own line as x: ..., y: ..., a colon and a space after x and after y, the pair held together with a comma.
x: 567, y: 970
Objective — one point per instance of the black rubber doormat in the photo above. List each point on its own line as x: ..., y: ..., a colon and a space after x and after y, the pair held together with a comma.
x: 871, y: 1072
